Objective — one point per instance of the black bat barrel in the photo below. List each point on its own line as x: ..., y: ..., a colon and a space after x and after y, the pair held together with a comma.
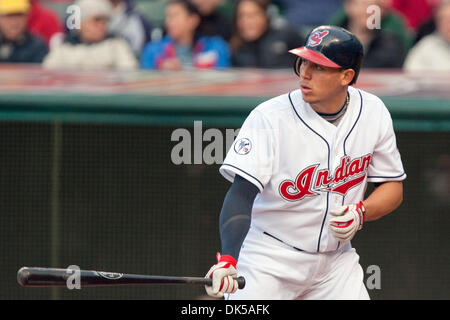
x: 54, y: 277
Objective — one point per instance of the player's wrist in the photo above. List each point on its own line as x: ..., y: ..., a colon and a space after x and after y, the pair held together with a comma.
x: 226, y: 258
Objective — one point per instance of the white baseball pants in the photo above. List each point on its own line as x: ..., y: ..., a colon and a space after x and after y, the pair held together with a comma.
x: 276, y: 271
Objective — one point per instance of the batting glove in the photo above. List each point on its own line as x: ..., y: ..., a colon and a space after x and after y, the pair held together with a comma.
x: 346, y: 221
x: 222, y: 275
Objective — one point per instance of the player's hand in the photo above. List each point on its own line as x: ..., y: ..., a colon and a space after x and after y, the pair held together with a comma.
x: 346, y: 221
x: 222, y: 275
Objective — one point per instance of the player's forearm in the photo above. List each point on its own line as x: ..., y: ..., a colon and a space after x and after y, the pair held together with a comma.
x: 235, y: 216
x: 383, y: 200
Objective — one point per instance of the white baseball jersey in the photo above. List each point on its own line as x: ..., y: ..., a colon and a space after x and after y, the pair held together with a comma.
x: 305, y: 166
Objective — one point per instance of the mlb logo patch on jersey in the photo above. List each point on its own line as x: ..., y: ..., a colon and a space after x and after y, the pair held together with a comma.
x: 243, y: 146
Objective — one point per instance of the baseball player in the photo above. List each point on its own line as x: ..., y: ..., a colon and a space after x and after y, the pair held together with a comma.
x: 300, y: 166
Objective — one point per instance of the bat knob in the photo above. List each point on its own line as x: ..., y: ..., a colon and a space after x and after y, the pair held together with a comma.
x: 241, y: 282
x: 22, y: 276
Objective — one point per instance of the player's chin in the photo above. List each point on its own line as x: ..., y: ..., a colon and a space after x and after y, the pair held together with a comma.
x: 310, y: 98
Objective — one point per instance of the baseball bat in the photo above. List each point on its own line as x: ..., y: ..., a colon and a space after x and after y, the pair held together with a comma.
x: 56, y: 277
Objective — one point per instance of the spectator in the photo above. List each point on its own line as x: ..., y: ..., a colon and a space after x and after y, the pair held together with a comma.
x: 305, y: 14
x: 391, y: 21
x: 44, y: 23
x: 16, y: 44
x: 382, y: 49
x: 128, y: 23
x: 213, y: 22
x: 428, y: 26
x: 416, y: 12
x: 182, y: 46
x: 91, y: 47
x: 432, y: 53
x: 255, y: 43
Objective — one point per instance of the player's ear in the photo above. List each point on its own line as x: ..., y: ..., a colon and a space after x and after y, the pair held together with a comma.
x: 347, y: 76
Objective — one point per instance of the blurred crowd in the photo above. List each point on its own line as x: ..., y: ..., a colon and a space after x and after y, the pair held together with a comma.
x: 120, y: 35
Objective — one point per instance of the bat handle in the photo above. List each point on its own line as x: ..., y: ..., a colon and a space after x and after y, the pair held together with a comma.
x: 240, y: 281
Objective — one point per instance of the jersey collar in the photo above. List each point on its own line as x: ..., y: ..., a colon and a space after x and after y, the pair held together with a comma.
x: 316, y: 123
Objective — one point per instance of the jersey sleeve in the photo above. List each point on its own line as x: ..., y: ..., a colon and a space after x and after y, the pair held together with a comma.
x: 386, y: 164
x: 252, y: 153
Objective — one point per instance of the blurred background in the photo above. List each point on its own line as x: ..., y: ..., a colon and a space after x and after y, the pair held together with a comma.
x: 92, y: 90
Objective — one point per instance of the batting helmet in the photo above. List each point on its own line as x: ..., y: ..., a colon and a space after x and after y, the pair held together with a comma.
x: 333, y: 47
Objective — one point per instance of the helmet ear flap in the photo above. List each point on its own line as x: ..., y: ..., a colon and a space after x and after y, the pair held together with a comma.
x: 297, y: 65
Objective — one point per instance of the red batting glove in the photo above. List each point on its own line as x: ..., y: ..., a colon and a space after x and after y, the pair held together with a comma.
x: 222, y: 275
x: 347, y: 220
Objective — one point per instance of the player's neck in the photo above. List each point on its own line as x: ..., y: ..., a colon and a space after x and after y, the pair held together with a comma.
x: 331, y: 105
